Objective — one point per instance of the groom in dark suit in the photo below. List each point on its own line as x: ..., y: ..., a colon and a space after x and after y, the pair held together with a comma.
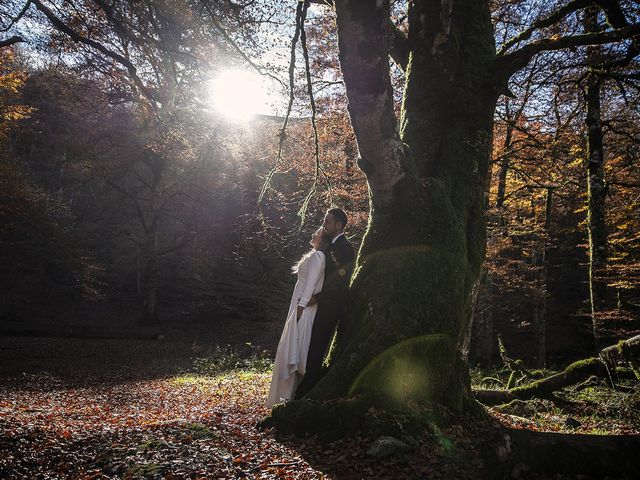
x: 332, y: 299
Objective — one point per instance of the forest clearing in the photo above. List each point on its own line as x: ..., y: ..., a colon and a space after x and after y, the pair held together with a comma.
x: 320, y: 239
x: 143, y: 409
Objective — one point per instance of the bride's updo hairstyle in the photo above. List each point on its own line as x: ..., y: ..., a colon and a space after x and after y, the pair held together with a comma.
x: 320, y: 241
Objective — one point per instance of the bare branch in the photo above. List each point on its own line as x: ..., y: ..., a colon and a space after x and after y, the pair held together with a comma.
x: 612, y: 10
x: 282, y: 135
x: 17, y: 17
x: 318, y: 168
x: 555, y: 17
x: 213, y: 18
x: 507, y: 64
x: 78, y: 38
x: 10, y: 41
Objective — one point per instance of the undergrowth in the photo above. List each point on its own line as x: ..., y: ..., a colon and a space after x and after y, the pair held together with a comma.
x: 222, y: 359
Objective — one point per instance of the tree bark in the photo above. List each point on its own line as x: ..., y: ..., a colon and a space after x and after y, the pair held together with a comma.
x: 150, y: 276
x: 402, y: 338
x: 631, y: 346
x: 596, y: 183
x: 504, y: 161
x: 483, y: 341
x: 541, y: 304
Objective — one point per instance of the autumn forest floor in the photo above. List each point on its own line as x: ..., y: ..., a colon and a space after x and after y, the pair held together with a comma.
x: 100, y: 408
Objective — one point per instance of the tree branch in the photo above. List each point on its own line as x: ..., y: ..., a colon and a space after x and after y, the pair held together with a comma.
x: 234, y: 45
x: 617, y: 19
x: 10, y: 41
x: 545, y: 22
x: 507, y: 64
x: 364, y: 61
x: 78, y: 38
x: 17, y: 17
x: 612, y: 10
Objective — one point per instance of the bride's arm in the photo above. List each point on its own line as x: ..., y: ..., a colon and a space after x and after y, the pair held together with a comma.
x: 315, y: 272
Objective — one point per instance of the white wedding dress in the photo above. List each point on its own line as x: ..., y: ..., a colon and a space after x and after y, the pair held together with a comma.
x: 291, y: 357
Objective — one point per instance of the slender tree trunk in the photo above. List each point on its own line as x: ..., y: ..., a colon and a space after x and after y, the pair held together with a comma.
x: 596, y: 183
x: 504, y: 161
x: 465, y: 344
x: 138, y: 271
x: 541, y: 307
x: 484, y: 338
x: 150, y: 244
x: 411, y: 292
x: 150, y: 276
x: 541, y: 333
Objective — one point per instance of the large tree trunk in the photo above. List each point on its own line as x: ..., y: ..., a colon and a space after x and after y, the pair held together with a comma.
x: 410, y: 297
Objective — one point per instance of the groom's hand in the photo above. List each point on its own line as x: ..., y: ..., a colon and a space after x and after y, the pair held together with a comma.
x: 300, y: 310
x: 312, y: 300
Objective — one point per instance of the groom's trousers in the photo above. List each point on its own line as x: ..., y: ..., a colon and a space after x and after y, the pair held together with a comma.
x: 323, y: 326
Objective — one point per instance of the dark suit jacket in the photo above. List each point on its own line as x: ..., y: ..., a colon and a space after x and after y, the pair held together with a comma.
x: 337, y: 274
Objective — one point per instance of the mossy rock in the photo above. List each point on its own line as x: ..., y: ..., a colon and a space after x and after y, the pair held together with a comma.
x: 152, y: 444
x: 198, y: 430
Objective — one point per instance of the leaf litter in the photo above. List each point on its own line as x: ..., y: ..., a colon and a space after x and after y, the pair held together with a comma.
x: 100, y: 423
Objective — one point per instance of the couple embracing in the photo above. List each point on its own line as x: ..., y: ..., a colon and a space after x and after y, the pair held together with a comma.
x: 317, y: 305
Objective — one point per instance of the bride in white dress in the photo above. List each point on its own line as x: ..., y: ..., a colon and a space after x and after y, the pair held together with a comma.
x: 291, y: 357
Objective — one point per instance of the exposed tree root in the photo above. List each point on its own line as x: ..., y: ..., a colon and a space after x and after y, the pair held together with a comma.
x: 602, y: 367
x: 507, y: 452
x: 598, y: 456
x: 544, y: 388
x: 374, y: 416
x: 625, y: 350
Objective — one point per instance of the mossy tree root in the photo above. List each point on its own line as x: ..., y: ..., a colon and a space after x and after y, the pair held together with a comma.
x: 373, y: 415
x: 544, y: 388
x: 625, y: 350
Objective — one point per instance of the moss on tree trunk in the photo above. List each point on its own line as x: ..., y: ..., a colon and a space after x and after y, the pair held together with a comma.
x: 410, y: 300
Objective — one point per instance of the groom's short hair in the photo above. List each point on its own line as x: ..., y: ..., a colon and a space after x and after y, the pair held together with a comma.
x: 339, y: 215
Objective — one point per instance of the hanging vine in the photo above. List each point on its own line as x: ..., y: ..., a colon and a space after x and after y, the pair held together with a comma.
x: 299, y: 34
